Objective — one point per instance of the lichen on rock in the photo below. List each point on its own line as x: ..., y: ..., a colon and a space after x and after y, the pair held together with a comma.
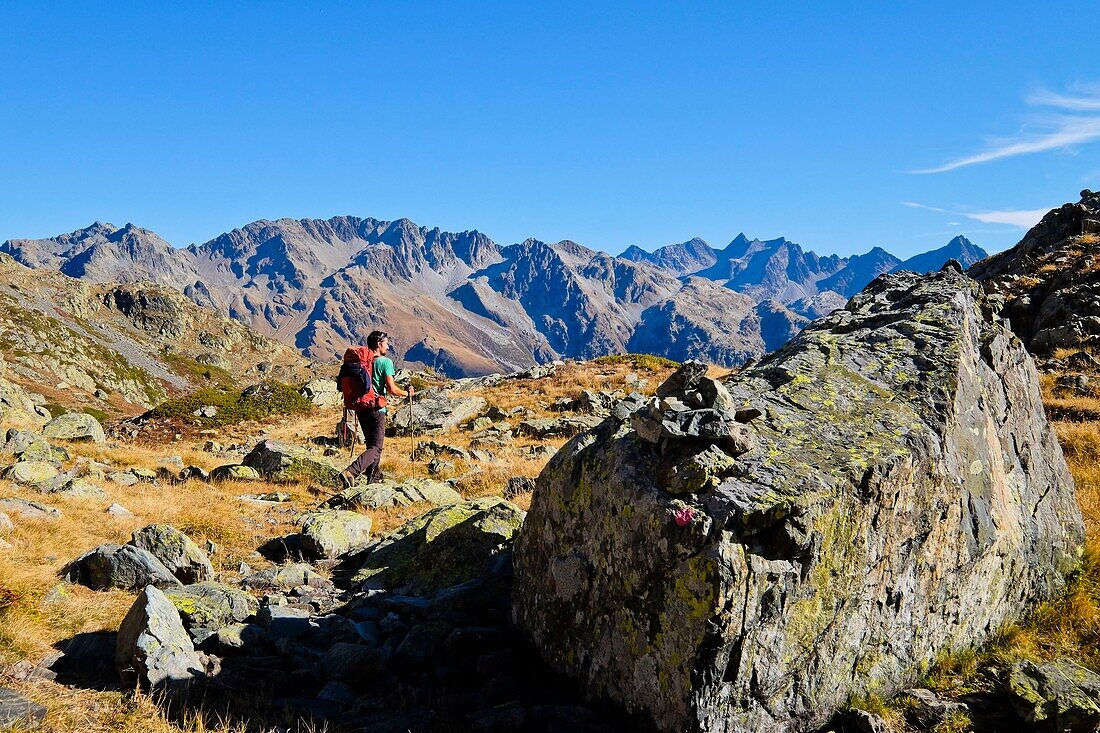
x: 442, y: 547
x: 901, y: 495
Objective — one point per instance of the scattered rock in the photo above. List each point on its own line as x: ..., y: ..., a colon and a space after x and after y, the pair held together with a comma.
x: 117, y: 510
x: 29, y: 509
x: 75, y: 426
x: 30, y: 473
x: 518, y: 485
x: 183, y: 558
x: 434, y: 412
x: 282, y: 462
x: 685, y: 379
x: 538, y: 452
x: 194, y: 472
x: 1057, y: 696
x: 442, y: 547
x: 545, y: 428
x: 124, y: 478
x: 322, y: 393
x: 118, y: 566
x: 79, y: 488
x: 388, y: 493
x: 5, y: 524
x: 234, y: 472
x: 288, y: 577
x: 153, y: 648
x: 18, y: 712
x: 926, y: 710
x: 211, y: 605
x: 330, y: 533
x: 236, y: 637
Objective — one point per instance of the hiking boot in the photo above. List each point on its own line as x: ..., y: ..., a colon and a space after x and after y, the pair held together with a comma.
x: 346, y: 480
x: 376, y: 478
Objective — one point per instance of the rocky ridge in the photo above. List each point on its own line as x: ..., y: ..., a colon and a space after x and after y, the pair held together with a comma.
x: 113, y: 347
x: 1050, y: 281
x: 461, y: 304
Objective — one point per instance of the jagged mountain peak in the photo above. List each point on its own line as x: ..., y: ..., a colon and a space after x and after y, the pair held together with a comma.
x: 959, y: 248
x: 322, y: 283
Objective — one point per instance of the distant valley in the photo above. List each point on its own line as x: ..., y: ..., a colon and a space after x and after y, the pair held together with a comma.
x: 464, y: 305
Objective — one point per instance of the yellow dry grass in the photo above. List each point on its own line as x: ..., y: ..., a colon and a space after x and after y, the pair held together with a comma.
x: 38, y: 611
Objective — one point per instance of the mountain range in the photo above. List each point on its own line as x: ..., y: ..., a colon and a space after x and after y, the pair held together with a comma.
x: 465, y: 305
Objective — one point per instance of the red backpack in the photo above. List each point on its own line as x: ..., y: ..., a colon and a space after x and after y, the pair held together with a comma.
x: 359, y: 392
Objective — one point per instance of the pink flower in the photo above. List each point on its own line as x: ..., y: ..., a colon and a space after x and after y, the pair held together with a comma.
x: 684, y: 516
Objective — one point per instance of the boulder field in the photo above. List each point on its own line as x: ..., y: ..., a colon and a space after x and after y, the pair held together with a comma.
x: 749, y: 555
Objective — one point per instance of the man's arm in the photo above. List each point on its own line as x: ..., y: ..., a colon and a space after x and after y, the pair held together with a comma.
x: 392, y: 388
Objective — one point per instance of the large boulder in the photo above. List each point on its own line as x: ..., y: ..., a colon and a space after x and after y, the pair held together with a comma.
x: 287, y: 463
x: 434, y: 412
x: 903, y: 496
x: 153, y: 648
x: 177, y: 551
x: 75, y: 426
x: 329, y: 533
x: 442, y: 547
x: 119, y: 566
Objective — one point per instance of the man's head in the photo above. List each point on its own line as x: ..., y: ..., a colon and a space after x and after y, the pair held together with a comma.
x: 378, y: 341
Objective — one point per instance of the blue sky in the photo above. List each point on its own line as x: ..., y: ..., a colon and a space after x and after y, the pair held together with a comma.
x: 841, y: 127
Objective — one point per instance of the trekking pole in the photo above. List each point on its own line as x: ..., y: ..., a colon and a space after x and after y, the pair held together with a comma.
x: 354, y: 432
x: 412, y: 436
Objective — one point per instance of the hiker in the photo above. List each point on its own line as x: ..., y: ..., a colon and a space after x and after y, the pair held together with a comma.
x: 365, y: 379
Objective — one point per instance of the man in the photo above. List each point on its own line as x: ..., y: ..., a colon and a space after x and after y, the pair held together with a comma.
x: 373, y: 420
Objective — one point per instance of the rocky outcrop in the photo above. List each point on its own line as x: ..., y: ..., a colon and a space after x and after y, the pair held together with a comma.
x: 1049, y: 282
x: 897, y: 494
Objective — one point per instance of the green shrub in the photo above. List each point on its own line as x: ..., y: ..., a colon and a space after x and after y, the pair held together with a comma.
x: 254, y: 403
x: 196, y: 371
x: 55, y: 409
x: 646, y: 362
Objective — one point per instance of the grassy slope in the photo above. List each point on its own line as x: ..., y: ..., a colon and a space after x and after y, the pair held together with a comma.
x: 30, y: 626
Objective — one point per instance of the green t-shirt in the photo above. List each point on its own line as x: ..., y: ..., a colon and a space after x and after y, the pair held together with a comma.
x: 383, y: 368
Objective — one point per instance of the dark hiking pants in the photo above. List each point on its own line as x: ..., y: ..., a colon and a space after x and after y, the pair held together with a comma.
x: 373, y: 423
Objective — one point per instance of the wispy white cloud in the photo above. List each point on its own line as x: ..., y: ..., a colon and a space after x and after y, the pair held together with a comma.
x: 1021, y: 218
x: 1024, y: 219
x: 915, y: 205
x: 1051, y: 131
